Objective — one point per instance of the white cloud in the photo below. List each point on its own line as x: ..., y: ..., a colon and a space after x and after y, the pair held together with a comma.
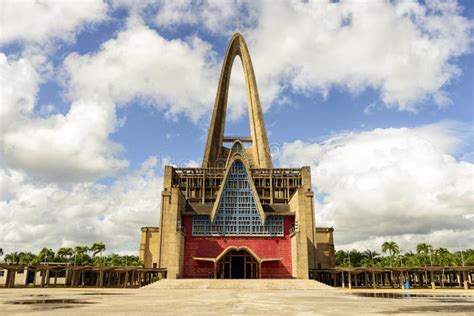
x: 175, y: 75
x: 69, y: 147
x: 19, y: 81
x: 391, y: 184
x: 403, y: 49
x: 47, y: 214
x: 40, y: 21
x: 218, y: 17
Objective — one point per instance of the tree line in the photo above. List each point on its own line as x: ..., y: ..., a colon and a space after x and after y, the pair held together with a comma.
x: 79, y: 255
x: 425, y: 255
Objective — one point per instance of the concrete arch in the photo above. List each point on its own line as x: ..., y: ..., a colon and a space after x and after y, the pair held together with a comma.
x: 260, y: 150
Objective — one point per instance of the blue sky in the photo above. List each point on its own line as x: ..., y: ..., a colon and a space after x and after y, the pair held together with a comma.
x: 377, y: 98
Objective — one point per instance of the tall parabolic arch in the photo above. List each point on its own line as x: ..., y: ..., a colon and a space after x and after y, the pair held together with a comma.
x: 259, y: 151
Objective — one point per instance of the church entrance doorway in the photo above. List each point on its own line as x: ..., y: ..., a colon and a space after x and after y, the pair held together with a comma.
x: 237, y: 265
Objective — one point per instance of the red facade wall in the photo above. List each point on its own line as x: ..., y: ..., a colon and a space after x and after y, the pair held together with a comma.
x: 264, y: 247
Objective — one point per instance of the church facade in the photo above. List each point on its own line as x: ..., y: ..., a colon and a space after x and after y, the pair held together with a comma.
x: 237, y: 216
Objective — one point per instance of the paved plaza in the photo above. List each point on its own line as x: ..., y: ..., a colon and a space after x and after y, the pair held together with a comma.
x: 224, y: 297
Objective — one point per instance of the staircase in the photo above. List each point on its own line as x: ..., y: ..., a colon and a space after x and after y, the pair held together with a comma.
x: 255, y: 284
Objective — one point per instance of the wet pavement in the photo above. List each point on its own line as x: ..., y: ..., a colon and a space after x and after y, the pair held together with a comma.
x: 91, y: 301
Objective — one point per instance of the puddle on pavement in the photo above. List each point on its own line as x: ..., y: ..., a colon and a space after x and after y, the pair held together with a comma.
x: 48, y: 301
x: 451, y: 298
x: 98, y: 293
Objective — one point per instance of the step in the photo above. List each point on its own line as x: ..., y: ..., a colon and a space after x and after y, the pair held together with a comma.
x: 256, y: 284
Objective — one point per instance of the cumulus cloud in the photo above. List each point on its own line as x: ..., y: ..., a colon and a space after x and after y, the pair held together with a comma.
x: 175, y: 75
x: 401, y: 184
x: 47, y: 214
x: 40, y: 21
x: 403, y: 49
x: 19, y: 81
x: 218, y: 17
x: 62, y: 147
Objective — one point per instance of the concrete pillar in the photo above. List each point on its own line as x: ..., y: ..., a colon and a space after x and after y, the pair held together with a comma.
x: 433, y: 284
x: 374, y: 282
x: 101, y: 278
x: 342, y: 280
x: 8, y: 282
x: 43, y: 277
x: 126, y: 279
x: 47, y: 277
x: 466, y: 285
x: 350, y: 281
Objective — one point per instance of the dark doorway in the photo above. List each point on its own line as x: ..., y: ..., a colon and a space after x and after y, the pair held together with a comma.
x: 237, y: 267
x: 30, y: 277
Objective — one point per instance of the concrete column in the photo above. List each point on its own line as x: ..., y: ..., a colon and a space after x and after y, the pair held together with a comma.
x: 101, y: 278
x: 433, y: 284
x: 126, y: 279
x: 342, y: 280
x: 43, y: 277
x: 374, y: 282
x: 8, y: 282
x: 466, y: 285
x: 350, y: 281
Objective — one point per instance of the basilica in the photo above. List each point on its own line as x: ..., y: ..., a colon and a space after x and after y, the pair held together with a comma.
x: 237, y: 216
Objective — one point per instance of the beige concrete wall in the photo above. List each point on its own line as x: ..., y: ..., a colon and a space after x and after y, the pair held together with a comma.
x: 310, y: 221
x: 325, y: 254
x: 298, y: 207
x: 294, y: 256
x: 172, y: 241
x: 303, y: 206
x: 20, y: 278
x: 149, y: 246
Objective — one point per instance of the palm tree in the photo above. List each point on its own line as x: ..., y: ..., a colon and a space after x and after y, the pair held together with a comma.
x: 370, y: 255
x: 65, y: 254
x: 98, y: 247
x: 443, y: 256
x: 424, y: 250
x: 392, y: 248
x: 46, y: 255
x: 114, y: 260
x: 12, y: 257
x: 80, y: 254
x: 356, y: 257
x: 26, y: 257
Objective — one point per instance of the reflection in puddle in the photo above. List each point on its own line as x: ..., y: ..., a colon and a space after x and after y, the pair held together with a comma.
x: 439, y: 298
x: 48, y: 301
x: 93, y: 293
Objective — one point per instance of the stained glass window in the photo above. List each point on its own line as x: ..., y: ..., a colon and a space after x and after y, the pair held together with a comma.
x: 237, y: 212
